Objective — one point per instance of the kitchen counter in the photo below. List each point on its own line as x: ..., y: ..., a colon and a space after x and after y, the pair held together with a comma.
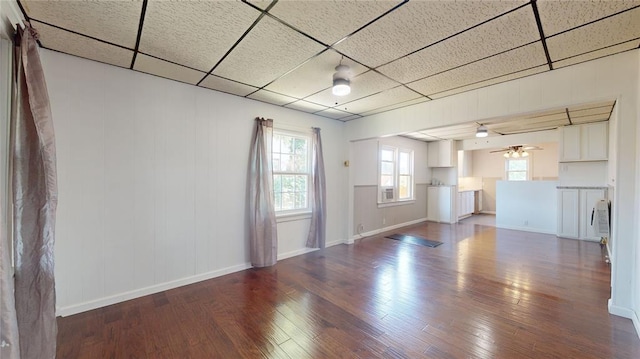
x: 582, y: 187
x: 469, y: 190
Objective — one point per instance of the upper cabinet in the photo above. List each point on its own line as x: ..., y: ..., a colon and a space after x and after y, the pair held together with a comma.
x: 586, y: 142
x: 441, y: 154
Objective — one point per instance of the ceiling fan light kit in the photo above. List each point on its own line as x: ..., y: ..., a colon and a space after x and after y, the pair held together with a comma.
x: 482, y: 131
x: 517, y: 151
x: 341, y: 82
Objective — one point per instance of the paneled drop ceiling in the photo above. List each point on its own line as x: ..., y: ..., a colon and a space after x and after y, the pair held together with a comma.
x: 401, y: 53
x: 548, y: 120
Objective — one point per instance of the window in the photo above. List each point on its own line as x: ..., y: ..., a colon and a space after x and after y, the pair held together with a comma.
x: 396, y: 174
x: 291, y: 171
x: 517, y: 169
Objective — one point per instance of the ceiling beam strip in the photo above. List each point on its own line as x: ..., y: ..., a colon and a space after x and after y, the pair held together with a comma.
x: 534, y: 6
x: 568, y: 116
x: 140, y: 26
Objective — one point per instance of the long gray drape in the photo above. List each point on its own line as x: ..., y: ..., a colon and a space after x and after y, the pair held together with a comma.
x: 263, y: 237
x: 34, y: 190
x: 317, y: 231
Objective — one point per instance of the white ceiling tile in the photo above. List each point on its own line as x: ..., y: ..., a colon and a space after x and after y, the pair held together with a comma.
x: 588, y: 106
x: 533, y: 126
x: 194, y: 33
x: 606, y: 110
x: 334, y: 114
x: 382, y: 99
x: 629, y: 45
x: 557, y: 16
x: 224, y: 85
x: 330, y: 21
x: 614, y: 30
x: 268, y: 51
x: 417, y: 24
x: 112, y: 21
x: 363, y: 85
x: 500, y: 65
x: 166, y: 69
x: 502, y: 34
x: 306, y: 106
x: 591, y: 118
x: 497, y: 80
x: 315, y: 75
x: 70, y: 43
x: 272, y: 97
x: 395, y: 106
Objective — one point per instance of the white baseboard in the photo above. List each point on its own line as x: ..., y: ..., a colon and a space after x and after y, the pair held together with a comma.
x: 137, y: 293
x: 385, y: 229
x: 625, y: 313
x: 297, y: 252
x: 335, y: 243
x: 527, y: 229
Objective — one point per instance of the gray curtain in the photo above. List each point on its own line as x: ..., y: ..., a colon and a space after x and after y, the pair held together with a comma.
x: 263, y: 237
x: 317, y: 231
x: 34, y: 191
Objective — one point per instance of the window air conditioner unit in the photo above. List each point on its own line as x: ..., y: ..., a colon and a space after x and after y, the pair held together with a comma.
x: 387, y: 195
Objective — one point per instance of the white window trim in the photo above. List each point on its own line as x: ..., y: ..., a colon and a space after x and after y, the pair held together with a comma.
x: 302, y: 213
x: 395, y: 202
x: 529, y: 167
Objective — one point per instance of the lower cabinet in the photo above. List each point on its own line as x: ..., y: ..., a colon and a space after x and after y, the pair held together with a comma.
x: 440, y: 204
x: 466, y: 203
x: 574, y: 212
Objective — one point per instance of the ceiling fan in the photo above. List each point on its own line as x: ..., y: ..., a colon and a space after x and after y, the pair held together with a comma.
x: 517, y: 151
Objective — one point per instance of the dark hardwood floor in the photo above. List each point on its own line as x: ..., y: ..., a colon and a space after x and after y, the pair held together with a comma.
x: 484, y: 293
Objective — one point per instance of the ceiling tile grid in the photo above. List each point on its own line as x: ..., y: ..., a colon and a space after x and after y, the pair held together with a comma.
x: 612, y: 30
x: 158, y: 67
x: 558, y: 16
x: 330, y: 21
x: 73, y: 44
x: 268, y: 51
x: 399, y: 52
x: 111, y: 21
x: 504, y: 33
x: 221, y: 84
x: 195, y: 34
x: 522, y: 58
x: 313, y: 76
x: 363, y: 85
x: 417, y: 24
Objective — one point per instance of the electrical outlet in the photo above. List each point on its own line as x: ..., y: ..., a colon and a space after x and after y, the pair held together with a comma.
x: 360, y: 228
x: 526, y: 222
x: 384, y: 221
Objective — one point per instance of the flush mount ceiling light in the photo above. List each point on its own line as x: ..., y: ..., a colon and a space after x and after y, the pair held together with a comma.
x: 341, y: 82
x: 482, y: 131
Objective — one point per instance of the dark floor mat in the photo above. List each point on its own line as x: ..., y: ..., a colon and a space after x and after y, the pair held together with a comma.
x: 415, y: 240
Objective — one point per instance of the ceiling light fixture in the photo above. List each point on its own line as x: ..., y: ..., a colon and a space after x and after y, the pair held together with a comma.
x: 341, y: 82
x: 482, y: 131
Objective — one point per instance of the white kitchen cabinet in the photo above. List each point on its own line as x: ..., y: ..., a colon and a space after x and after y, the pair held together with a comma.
x: 440, y: 204
x: 574, y: 212
x: 588, y: 142
x: 441, y: 154
x: 466, y: 203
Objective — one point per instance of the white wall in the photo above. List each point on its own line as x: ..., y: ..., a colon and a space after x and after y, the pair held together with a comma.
x: 152, y: 181
x: 367, y: 217
x: 612, y: 77
x: 544, y: 163
x: 527, y: 206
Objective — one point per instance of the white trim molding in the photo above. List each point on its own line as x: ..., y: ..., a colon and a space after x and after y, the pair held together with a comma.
x: 625, y: 313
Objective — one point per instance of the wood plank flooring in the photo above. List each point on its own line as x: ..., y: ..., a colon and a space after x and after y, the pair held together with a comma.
x: 484, y: 293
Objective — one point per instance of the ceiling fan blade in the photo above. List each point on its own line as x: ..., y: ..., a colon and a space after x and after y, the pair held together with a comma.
x: 502, y: 150
x: 529, y: 148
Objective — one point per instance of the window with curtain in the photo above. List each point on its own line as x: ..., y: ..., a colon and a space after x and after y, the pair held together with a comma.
x: 291, y: 156
x: 395, y: 174
x: 517, y: 169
